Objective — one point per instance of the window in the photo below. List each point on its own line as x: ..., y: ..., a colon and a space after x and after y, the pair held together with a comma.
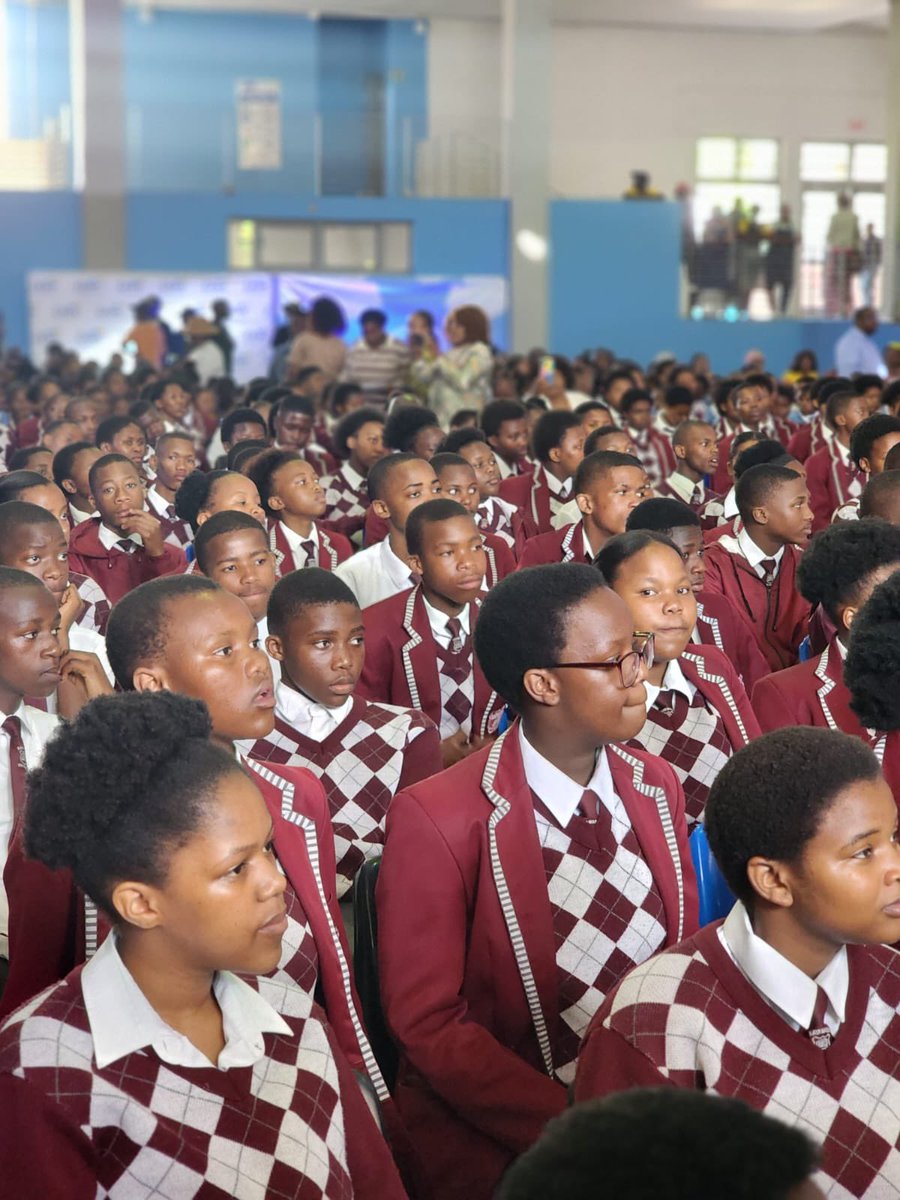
x: 383, y: 247
x: 730, y: 169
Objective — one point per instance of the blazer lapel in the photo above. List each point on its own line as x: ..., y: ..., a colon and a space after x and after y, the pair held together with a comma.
x: 328, y: 558
x: 716, y: 691
x: 280, y: 548
x: 418, y: 651
x: 488, y: 706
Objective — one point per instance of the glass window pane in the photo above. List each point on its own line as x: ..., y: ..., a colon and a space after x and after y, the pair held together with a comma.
x: 395, y: 247
x: 824, y: 162
x: 709, y: 196
x: 869, y: 163
x: 242, y: 245
x: 286, y: 244
x: 716, y: 158
x: 349, y: 247
x: 757, y: 158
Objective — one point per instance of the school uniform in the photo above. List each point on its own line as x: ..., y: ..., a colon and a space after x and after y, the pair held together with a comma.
x: 811, y: 437
x: 346, y: 500
x: 696, y: 720
x: 96, y: 608
x: 766, y: 598
x: 696, y: 496
x: 317, y: 456
x: 560, y: 545
x: 413, y: 659
x: 510, y: 470
x: 768, y: 429
x: 491, y: 881
x: 833, y: 479
x: 811, y: 693
x: 503, y: 520
x: 539, y: 496
x: 726, y: 1013
x: 718, y: 626
x: 322, y: 548
x: 654, y: 452
x: 99, y: 1095
x: 375, y: 573
x: 363, y: 753
x: 77, y: 516
x: 177, y: 532
x: 118, y: 563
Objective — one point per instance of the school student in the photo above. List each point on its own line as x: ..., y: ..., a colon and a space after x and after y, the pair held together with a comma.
x: 419, y: 646
x: 359, y: 441
x: 33, y: 458
x: 792, y: 1003
x: 458, y: 482
x: 505, y: 427
x: 557, y: 445
x: 491, y: 962
x: 723, y: 509
x: 870, y: 443
x: 839, y: 571
x: 697, y: 457
x: 651, y: 448
x: 716, y: 624
x: 607, y: 487
x: 756, y: 569
x: 606, y: 437
x: 832, y: 475
x: 71, y: 466
x: 124, y: 545
x: 750, y: 406
x: 396, y: 486
x: 881, y: 495
x: 410, y: 429
x: 122, y: 435
x: 168, y: 1063
x: 698, y: 713
x: 291, y: 424
x: 176, y: 458
x: 363, y: 752
x: 232, y: 549
x: 203, y: 493
x: 294, y: 500
x: 494, y: 515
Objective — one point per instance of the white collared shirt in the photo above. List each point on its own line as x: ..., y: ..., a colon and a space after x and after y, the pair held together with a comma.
x: 37, y: 728
x: 586, y: 543
x: 755, y: 556
x: 567, y: 514
x: 295, y: 542
x: 122, y: 1019
x: 559, y: 793
x: 729, y: 504
x: 783, y: 986
x: 159, y: 504
x: 375, y: 574
x: 556, y: 487
x: 683, y: 486
x: 674, y: 680
x: 78, y: 517
x: 353, y: 477
x: 109, y: 539
x: 313, y: 720
x: 438, y: 622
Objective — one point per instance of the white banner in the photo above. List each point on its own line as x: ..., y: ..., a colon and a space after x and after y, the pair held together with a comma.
x: 258, y: 103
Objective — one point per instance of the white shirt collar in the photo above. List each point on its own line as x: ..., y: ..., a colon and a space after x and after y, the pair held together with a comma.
x: 586, y: 542
x: 353, y: 477
x: 398, y: 571
x: 109, y: 539
x: 123, y: 1021
x: 557, y: 488
x: 78, y: 515
x: 438, y: 622
x: 557, y: 791
x: 295, y: 541
x: 684, y: 487
x: 307, y: 716
x: 729, y: 504
x: 843, y: 452
x: 502, y: 465
x: 753, y: 554
x: 674, y: 680
x: 782, y: 985
x: 157, y: 502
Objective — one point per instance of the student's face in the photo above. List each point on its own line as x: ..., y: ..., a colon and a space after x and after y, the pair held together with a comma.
x: 750, y: 406
x: 872, y: 399
x: 77, y: 485
x: 426, y: 442
x: 511, y: 440
x: 131, y: 442
x: 618, y: 441
x: 735, y: 454
x: 612, y: 496
x: 700, y: 450
x: 152, y: 424
x: 86, y: 416
x: 452, y: 562
x: 657, y: 589
x: 293, y: 429
x: 64, y: 436
x: 323, y: 652
x: 242, y: 563
x: 174, y: 402
x: 689, y: 540
x: 212, y: 653
x: 233, y: 493
x: 49, y: 497
x: 296, y: 491
x: 367, y: 446
x: 373, y: 334
x: 640, y: 414
x: 117, y: 493
x: 29, y: 645
x: 222, y: 904
x: 789, y: 516
x: 459, y: 484
x: 246, y: 431
x: 570, y: 451
x: 846, y: 886
x: 855, y: 412
x: 405, y: 488
x: 480, y: 458
x: 881, y: 447
x: 175, y: 461
x: 616, y: 391
x: 595, y: 418
x: 42, y: 550
x: 41, y: 461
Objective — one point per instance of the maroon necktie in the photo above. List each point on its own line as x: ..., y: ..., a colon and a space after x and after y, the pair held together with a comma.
x: 17, y: 766
x: 672, y: 704
x: 309, y: 549
x: 589, y: 805
x: 457, y: 640
x: 696, y: 497
x: 770, y: 566
x: 819, y: 1033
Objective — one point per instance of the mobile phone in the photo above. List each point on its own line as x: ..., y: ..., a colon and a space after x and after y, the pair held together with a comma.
x: 548, y: 368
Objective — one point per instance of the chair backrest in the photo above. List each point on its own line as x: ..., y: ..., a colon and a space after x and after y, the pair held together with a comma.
x: 804, y: 650
x: 716, y: 898
x: 365, y: 970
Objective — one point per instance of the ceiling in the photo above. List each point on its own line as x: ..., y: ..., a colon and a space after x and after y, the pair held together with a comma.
x: 790, y: 16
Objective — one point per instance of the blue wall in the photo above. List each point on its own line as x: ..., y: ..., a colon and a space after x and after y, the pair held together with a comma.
x: 36, y: 71
x: 38, y: 230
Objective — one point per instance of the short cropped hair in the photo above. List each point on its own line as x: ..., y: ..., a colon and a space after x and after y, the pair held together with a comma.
x: 16, y: 482
x: 17, y: 513
x: 662, y: 513
x: 766, y: 451
x: 868, y: 432
x: 756, y: 486
x: 380, y: 472
x: 444, y: 459
x: 771, y: 797
x: 550, y: 430
x: 679, y: 437
x: 432, y: 512
x: 523, y: 622
x: 108, y: 429
x: 634, y: 396
x: 64, y: 460
x: 14, y: 580
x: 624, y: 546
x: 877, y: 496
x: 839, y: 560
x: 108, y: 460
x: 457, y: 438
x: 240, y: 416
x: 495, y: 412
x: 373, y: 315
x: 838, y: 402
x: 138, y: 623
x: 873, y: 659
x: 592, y: 443
x: 304, y: 589
x: 227, y: 521
x: 598, y: 464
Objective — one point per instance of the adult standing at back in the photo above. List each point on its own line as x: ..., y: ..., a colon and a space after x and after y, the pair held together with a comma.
x: 377, y: 362
x: 461, y: 378
x: 842, y: 258
x: 320, y: 345
x: 855, y: 352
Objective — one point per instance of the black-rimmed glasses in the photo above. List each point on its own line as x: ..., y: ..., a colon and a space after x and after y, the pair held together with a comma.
x: 629, y: 665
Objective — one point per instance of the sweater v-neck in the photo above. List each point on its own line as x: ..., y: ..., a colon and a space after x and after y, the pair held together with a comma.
x: 315, y: 749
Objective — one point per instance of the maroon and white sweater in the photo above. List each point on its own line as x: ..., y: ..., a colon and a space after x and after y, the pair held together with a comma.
x: 97, y: 607
x: 690, y: 1018
x: 346, y: 501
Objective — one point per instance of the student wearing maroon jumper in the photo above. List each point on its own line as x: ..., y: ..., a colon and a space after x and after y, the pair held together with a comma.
x: 359, y: 440
x: 792, y: 1003
x: 159, y: 1062
x: 505, y: 427
x: 697, y: 455
x: 495, y: 515
x: 458, y: 482
x: 294, y: 500
x: 698, y: 714
x: 558, y: 448
x: 362, y: 752
x: 491, y: 965
x: 652, y: 448
x: 838, y: 572
x: 756, y: 569
x: 832, y: 475
x: 125, y: 545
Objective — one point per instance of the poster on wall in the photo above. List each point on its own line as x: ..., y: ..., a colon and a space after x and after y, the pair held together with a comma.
x: 258, y: 103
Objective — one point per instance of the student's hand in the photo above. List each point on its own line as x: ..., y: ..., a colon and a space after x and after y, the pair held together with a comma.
x: 150, y: 530
x: 70, y: 607
x: 454, y: 748
x: 83, y: 679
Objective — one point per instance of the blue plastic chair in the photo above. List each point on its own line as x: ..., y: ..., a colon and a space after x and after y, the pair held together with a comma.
x: 805, y: 650
x: 716, y: 898
x: 505, y: 722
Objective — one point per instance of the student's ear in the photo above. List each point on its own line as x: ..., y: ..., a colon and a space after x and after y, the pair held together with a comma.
x: 380, y: 509
x: 137, y: 904
x: 865, y: 465
x: 554, y: 454
x: 542, y: 686
x: 92, y: 501
x: 849, y: 615
x: 584, y: 502
x: 760, y: 516
x: 274, y: 647
x: 150, y: 678
x: 68, y: 487
x: 202, y: 517
x: 276, y: 504
x: 680, y: 452
x: 106, y: 447
x: 770, y: 881
x: 415, y: 564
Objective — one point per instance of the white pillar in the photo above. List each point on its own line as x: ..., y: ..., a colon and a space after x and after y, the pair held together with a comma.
x: 525, y: 113
x: 98, y: 127
x: 890, y: 284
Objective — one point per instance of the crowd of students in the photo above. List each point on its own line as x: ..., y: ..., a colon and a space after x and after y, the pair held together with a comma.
x: 513, y: 658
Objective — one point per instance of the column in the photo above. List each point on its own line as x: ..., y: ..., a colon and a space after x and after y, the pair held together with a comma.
x: 891, y: 291
x: 526, y: 49
x: 98, y: 128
